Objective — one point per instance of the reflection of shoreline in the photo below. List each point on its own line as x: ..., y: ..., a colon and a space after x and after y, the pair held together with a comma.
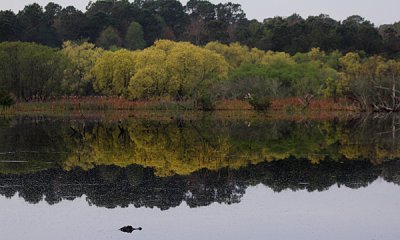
x: 165, y: 115
x: 179, y: 146
x: 120, y: 187
x: 162, y: 162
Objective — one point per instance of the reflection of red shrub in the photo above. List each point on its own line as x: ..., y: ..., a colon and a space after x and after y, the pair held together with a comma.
x: 233, y: 105
x: 116, y: 103
x: 316, y: 104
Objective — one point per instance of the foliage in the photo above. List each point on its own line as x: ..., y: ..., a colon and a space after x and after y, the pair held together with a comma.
x: 134, y: 38
x: 109, y: 39
x: 30, y: 70
x: 198, y: 22
x: 113, y: 72
x: 181, y: 71
x: 260, y: 103
x: 280, y: 75
x: 206, y: 102
x: 372, y: 82
x: 79, y: 77
x: 151, y: 78
x: 236, y: 54
x: 255, y: 79
x: 195, y: 69
x: 6, y: 100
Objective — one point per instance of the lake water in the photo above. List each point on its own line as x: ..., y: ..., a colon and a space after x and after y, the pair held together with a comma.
x: 199, y: 177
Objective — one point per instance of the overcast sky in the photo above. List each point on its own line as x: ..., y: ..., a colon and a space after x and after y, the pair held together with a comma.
x: 377, y: 11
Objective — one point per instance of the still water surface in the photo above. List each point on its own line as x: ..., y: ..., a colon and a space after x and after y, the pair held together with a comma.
x: 199, y: 178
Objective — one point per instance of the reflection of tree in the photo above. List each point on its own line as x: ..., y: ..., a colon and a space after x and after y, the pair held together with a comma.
x: 183, y: 147
x: 391, y: 172
x: 372, y: 137
x: 113, y: 186
x: 160, y: 163
x: 171, y: 147
x: 35, y: 143
x: 24, y: 134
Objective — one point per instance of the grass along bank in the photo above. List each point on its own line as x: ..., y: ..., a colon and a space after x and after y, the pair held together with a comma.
x: 79, y: 104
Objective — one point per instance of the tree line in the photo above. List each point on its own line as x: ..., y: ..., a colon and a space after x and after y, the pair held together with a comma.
x: 112, y: 187
x: 138, y: 24
x: 182, y: 146
x: 136, y: 156
x: 181, y: 71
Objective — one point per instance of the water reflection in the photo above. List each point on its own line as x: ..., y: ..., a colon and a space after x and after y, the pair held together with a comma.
x: 162, y: 163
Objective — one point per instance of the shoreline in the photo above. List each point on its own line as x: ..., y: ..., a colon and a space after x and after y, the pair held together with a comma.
x: 117, y: 109
x: 115, y: 103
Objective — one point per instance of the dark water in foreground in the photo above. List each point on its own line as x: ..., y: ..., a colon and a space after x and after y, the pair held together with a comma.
x: 199, y: 178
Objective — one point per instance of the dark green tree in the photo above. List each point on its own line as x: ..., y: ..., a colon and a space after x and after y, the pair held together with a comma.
x: 391, y: 42
x: 172, y: 13
x: 360, y: 34
x: 70, y: 24
x: 30, y: 70
x: 109, y: 38
x: 134, y: 38
x: 9, y: 26
x: 201, y: 13
x: 37, y: 25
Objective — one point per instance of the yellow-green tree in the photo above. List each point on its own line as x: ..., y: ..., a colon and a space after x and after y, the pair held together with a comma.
x: 177, y: 70
x: 372, y: 82
x: 389, y: 84
x: 351, y: 68
x: 79, y: 76
x: 165, y: 45
x: 152, y: 78
x: 277, y: 59
x: 236, y: 54
x: 113, y: 72
x: 195, y: 69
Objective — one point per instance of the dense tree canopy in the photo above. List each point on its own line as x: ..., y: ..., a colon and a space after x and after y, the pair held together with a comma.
x: 184, y: 72
x: 161, y: 49
x: 372, y: 82
x: 134, y: 38
x: 113, y: 72
x: 78, y: 76
x: 199, y: 21
x: 109, y: 39
x: 30, y: 70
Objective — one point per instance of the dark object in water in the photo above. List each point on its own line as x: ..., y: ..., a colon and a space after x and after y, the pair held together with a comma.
x: 130, y: 229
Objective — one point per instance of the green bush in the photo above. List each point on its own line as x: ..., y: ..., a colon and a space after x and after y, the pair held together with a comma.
x: 289, y: 109
x: 206, y: 103
x: 260, y: 103
x: 6, y: 100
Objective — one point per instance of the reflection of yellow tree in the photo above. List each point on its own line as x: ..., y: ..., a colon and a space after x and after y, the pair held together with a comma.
x: 374, y: 152
x: 372, y: 140
x: 184, y: 147
x: 315, y: 143
x: 167, y: 148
